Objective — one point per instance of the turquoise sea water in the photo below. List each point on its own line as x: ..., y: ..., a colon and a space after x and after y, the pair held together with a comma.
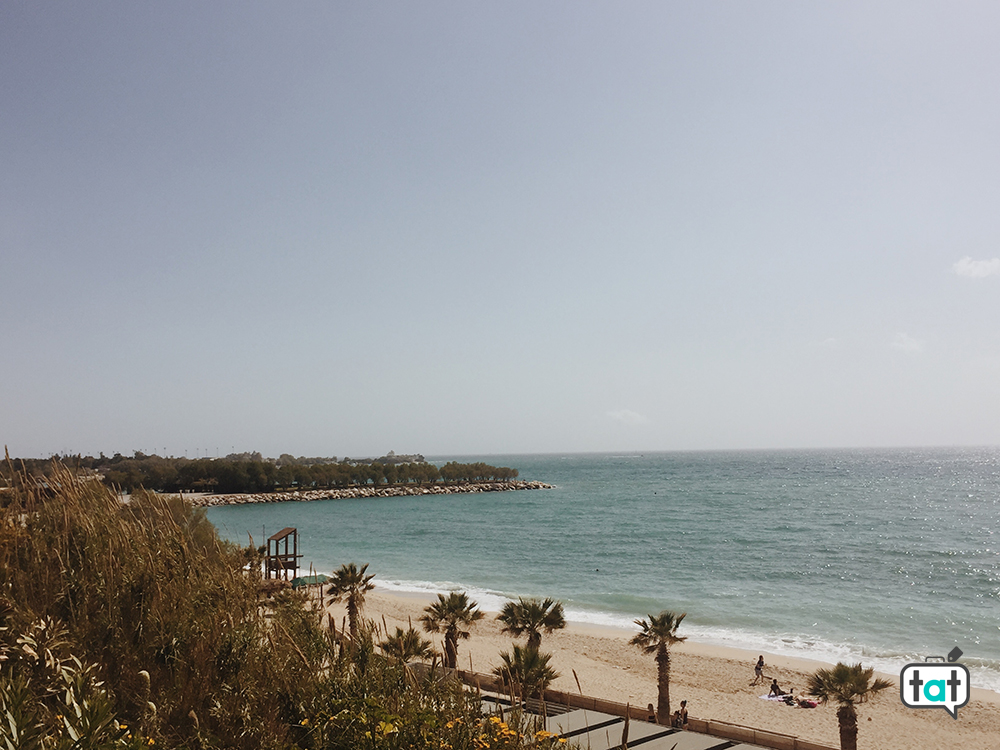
x: 883, y: 556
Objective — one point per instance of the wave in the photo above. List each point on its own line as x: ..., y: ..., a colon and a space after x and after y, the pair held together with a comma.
x: 489, y: 601
x: 985, y: 673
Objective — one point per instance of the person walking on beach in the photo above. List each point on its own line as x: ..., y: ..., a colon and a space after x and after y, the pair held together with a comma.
x: 758, y: 670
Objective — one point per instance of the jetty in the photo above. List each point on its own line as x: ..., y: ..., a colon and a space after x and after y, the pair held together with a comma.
x: 372, y: 491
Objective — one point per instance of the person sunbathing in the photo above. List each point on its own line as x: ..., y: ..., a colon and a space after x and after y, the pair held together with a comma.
x: 775, y: 690
x: 804, y: 701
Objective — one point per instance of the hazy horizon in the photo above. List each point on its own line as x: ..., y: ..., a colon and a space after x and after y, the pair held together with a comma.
x: 455, y: 229
x: 554, y: 453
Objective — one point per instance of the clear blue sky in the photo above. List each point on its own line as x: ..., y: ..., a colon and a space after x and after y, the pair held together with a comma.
x: 347, y: 228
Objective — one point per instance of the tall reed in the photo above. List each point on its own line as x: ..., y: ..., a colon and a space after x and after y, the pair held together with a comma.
x: 148, y: 592
x: 177, y: 642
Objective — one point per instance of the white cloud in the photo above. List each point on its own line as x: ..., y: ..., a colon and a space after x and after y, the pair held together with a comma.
x: 626, y: 416
x: 906, y: 343
x: 977, y: 269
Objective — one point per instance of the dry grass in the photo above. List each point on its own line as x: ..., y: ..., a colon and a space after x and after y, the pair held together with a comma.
x: 167, y: 631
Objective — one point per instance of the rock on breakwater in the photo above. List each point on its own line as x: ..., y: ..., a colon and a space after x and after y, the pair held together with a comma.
x: 396, y: 490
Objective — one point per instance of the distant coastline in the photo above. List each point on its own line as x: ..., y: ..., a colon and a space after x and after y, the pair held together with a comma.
x: 358, y: 492
x: 252, y: 474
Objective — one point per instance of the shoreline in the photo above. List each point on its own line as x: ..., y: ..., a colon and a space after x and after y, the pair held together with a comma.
x: 346, y: 493
x: 693, y: 647
x: 732, y: 650
x: 713, y: 679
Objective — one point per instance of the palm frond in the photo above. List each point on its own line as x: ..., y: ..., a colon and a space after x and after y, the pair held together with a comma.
x: 532, y: 617
x: 846, y: 684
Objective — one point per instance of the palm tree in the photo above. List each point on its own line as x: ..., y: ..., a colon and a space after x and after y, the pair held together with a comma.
x: 351, y: 584
x: 407, y: 645
x: 447, y: 615
x: 848, y: 685
x: 527, y: 670
x: 656, y: 637
x: 532, y: 616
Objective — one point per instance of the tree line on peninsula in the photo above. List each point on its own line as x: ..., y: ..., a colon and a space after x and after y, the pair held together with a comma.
x: 252, y: 473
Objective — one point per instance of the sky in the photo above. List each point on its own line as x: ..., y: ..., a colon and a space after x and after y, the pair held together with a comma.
x: 339, y: 229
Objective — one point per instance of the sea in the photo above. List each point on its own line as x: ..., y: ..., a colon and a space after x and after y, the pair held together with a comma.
x: 880, y: 556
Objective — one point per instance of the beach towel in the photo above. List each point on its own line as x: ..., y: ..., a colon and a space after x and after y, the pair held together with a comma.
x: 781, y: 699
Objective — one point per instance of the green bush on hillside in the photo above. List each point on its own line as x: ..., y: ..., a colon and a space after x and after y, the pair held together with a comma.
x: 133, y: 624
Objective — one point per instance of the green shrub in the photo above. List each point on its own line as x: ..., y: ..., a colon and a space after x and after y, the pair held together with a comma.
x: 128, y: 625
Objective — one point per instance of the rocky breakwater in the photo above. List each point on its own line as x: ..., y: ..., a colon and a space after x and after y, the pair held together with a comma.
x: 395, y: 490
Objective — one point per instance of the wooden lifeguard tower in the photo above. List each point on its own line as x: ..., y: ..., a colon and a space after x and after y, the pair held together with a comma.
x: 282, y: 563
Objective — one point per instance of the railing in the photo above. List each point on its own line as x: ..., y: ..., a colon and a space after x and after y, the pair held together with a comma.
x: 723, y: 729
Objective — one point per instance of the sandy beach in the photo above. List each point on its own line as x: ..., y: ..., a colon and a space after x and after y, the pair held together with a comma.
x: 714, y: 680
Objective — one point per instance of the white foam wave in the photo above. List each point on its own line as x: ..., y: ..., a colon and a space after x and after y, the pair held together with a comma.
x: 489, y: 601
x: 819, y: 649
x: 596, y: 617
